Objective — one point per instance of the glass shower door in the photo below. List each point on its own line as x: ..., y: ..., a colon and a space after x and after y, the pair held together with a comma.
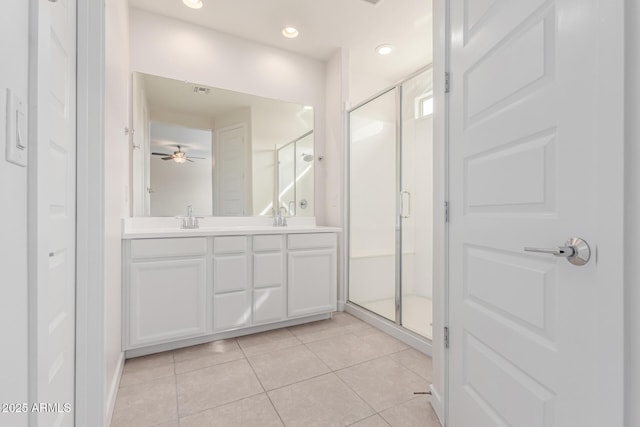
x: 373, y: 220
x: 417, y: 203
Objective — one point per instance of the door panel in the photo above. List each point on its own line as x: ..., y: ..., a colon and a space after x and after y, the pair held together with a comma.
x: 523, y: 169
x: 230, y: 167
x: 54, y: 202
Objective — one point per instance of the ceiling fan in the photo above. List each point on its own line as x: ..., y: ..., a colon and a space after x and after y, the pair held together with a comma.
x: 178, y: 156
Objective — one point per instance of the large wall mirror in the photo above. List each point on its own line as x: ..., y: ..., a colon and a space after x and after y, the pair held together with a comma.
x: 222, y: 152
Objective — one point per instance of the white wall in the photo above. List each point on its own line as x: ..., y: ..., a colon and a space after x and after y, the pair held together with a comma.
x: 171, y: 48
x: 337, y: 84
x: 362, y: 86
x: 14, y: 31
x: 632, y: 214
x: 337, y: 94
x: 116, y: 158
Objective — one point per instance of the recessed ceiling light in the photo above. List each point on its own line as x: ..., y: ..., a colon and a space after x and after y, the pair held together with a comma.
x: 384, y: 49
x: 290, y: 32
x: 193, y: 4
x: 308, y: 107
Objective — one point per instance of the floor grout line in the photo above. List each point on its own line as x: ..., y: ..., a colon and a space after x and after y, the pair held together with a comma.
x: 263, y: 387
x: 175, y: 382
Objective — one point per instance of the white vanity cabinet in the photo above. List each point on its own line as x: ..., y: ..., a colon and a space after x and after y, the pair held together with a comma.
x: 184, y: 290
x: 231, y: 286
x: 312, y: 273
x: 166, y: 290
x: 269, y: 285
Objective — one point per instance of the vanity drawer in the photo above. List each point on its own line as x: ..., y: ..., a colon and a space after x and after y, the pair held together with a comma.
x: 159, y: 248
x: 229, y: 245
x: 312, y: 241
x: 267, y: 243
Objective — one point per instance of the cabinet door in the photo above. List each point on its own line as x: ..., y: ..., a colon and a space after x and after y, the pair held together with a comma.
x: 230, y: 273
x: 231, y: 311
x: 268, y: 305
x: 167, y: 300
x: 311, y: 282
x: 268, y: 270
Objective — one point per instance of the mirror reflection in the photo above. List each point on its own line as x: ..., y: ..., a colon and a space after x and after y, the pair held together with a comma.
x: 221, y: 152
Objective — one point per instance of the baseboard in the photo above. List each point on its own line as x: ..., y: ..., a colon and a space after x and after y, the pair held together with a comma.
x: 110, y: 404
x: 173, y: 345
x: 436, y: 404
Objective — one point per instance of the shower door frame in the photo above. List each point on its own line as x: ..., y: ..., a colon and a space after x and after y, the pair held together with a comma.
x: 413, y: 338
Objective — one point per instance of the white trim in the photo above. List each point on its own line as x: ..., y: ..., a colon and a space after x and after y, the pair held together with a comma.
x: 32, y: 212
x: 436, y: 403
x: 609, y: 89
x: 90, y: 381
x: 110, y: 403
x: 398, y: 332
x: 440, y: 296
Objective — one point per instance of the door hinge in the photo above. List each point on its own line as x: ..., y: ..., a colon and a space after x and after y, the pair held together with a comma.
x: 446, y: 211
x: 446, y: 337
x: 447, y: 83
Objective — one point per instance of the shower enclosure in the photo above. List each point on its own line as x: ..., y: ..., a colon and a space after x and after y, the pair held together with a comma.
x: 390, y: 257
x: 295, y: 176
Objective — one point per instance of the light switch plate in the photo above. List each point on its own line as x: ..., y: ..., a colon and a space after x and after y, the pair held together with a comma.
x: 16, y: 132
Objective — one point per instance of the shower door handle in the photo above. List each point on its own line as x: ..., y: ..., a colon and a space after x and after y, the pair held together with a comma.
x: 402, y: 194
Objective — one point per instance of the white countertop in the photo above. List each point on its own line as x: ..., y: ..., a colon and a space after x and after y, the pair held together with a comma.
x: 153, y: 228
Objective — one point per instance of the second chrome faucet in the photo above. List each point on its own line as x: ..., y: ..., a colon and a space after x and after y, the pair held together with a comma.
x: 281, y: 219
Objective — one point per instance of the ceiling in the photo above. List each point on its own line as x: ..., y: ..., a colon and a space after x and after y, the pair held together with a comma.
x: 324, y: 25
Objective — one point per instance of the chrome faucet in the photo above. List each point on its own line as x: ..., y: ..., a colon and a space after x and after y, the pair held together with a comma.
x: 189, y: 221
x: 281, y: 219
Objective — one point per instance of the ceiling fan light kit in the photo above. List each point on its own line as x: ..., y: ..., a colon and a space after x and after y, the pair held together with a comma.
x: 178, y: 156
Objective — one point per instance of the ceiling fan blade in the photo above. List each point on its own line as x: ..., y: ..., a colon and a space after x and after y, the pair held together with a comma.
x: 189, y: 160
x: 199, y: 158
x: 167, y: 158
x: 161, y: 154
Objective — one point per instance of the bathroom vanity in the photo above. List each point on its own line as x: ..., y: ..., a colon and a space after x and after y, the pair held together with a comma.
x: 183, y: 287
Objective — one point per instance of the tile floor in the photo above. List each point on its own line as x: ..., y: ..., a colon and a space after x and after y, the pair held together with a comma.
x: 338, y: 372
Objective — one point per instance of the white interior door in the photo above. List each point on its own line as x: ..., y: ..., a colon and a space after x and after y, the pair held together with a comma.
x: 230, y: 167
x: 535, y: 149
x: 54, y: 202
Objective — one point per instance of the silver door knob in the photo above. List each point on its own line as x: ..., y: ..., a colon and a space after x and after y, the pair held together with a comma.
x: 575, y: 250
